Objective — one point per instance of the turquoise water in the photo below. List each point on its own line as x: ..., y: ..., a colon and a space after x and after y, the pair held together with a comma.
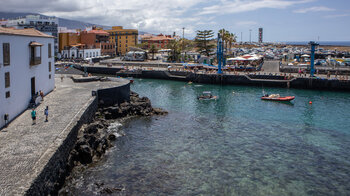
x: 236, y: 145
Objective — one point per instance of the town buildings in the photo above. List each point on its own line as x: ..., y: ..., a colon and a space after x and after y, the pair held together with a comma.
x: 123, y: 39
x: 159, y: 41
x: 3, y: 22
x: 98, y: 39
x: 26, y: 67
x: 44, y: 24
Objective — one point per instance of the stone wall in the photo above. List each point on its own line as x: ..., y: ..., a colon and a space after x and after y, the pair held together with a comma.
x: 256, y: 80
x: 53, y: 166
x: 56, y: 162
x: 116, y: 95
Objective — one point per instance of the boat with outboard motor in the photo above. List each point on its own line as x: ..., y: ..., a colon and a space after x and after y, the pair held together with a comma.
x: 207, y: 96
x: 277, y: 97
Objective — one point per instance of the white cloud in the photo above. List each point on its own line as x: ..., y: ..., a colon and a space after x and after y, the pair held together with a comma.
x: 238, y: 6
x: 337, y: 16
x: 314, y: 9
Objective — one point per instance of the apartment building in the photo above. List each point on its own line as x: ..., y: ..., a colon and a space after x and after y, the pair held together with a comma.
x: 123, y: 39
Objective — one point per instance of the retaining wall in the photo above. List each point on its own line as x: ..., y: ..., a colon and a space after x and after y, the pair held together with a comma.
x: 54, y: 162
x: 49, y: 175
x: 255, y: 80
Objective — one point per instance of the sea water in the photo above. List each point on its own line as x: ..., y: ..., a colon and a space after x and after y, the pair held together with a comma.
x: 236, y: 145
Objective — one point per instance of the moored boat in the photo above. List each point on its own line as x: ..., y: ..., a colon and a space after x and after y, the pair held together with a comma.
x: 277, y: 97
x: 207, y: 96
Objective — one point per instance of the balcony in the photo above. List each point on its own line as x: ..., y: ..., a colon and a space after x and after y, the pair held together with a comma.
x: 35, y: 60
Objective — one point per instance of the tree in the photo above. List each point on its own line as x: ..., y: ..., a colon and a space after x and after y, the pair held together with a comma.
x: 153, y: 50
x: 232, y: 38
x: 143, y: 45
x: 202, y: 41
x: 175, y: 50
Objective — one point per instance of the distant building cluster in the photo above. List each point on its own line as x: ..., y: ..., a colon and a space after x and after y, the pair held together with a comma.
x: 75, y: 43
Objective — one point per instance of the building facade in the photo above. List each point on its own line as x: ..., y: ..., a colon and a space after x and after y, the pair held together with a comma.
x: 260, y: 35
x: 48, y: 25
x: 99, y: 39
x: 67, y: 39
x: 26, y: 67
x: 76, y: 52
x: 123, y: 39
x: 159, y: 41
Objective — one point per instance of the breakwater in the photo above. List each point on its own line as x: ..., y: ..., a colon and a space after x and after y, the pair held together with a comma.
x: 225, y: 79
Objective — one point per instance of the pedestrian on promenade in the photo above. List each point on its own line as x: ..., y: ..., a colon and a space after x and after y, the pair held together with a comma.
x: 61, y: 77
x: 46, y: 112
x: 6, y: 119
x: 33, y: 113
x: 42, y: 95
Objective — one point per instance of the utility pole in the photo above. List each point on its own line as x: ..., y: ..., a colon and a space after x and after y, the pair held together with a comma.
x: 183, y: 39
x: 250, y: 36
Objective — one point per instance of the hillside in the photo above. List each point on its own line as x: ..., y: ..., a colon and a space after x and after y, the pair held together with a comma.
x: 70, y: 24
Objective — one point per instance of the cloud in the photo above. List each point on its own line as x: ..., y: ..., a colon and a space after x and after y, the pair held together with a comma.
x: 239, y: 6
x: 150, y: 15
x: 314, y: 9
x: 337, y: 16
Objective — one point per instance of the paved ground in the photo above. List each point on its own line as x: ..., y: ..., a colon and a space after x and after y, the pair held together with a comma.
x: 23, y: 146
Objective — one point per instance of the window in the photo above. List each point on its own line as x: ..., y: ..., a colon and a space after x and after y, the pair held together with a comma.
x: 49, y: 76
x: 7, y: 79
x: 126, y: 41
x: 6, y: 53
x: 49, y: 51
x: 7, y: 94
x: 126, y: 37
x: 35, y: 53
x: 49, y: 66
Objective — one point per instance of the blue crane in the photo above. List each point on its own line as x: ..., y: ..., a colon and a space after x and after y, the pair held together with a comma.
x: 312, y: 63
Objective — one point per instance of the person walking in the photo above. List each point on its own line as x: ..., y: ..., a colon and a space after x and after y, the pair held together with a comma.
x: 33, y: 113
x: 46, y: 112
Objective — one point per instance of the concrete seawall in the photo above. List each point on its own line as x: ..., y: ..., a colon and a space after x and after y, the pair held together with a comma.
x: 55, y: 160
x: 249, y: 79
x: 34, y: 156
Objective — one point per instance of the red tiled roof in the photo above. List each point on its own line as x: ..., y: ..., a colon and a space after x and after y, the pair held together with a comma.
x: 159, y: 38
x: 100, y: 32
x: 24, y: 32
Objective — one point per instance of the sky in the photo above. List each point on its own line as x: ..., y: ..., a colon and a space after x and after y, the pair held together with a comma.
x: 282, y: 20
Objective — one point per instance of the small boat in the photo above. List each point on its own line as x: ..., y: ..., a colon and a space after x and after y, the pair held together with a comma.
x: 207, y: 96
x: 277, y: 97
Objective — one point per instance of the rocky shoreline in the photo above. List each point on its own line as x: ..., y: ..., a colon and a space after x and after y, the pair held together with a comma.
x: 95, y: 138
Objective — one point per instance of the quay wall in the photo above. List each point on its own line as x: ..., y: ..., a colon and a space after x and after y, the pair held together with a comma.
x: 253, y: 80
x: 54, y: 161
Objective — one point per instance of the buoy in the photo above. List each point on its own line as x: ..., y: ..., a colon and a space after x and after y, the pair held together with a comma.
x: 310, y: 102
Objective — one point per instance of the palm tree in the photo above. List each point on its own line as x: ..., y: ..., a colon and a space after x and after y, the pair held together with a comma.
x: 153, y: 50
x: 232, y: 39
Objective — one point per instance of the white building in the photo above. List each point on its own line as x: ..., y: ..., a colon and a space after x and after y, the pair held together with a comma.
x: 48, y: 25
x: 78, y: 53
x: 26, y: 67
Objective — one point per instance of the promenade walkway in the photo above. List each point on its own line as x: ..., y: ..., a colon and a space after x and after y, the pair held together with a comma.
x: 25, y: 148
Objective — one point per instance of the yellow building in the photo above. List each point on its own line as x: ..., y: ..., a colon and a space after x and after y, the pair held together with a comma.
x: 67, y: 39
x: 123, y: 38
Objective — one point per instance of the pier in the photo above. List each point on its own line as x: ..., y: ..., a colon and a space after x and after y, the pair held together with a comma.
x: 272, y: 79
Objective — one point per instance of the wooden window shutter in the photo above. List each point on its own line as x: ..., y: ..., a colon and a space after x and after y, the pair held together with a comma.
x: 6, y: 53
